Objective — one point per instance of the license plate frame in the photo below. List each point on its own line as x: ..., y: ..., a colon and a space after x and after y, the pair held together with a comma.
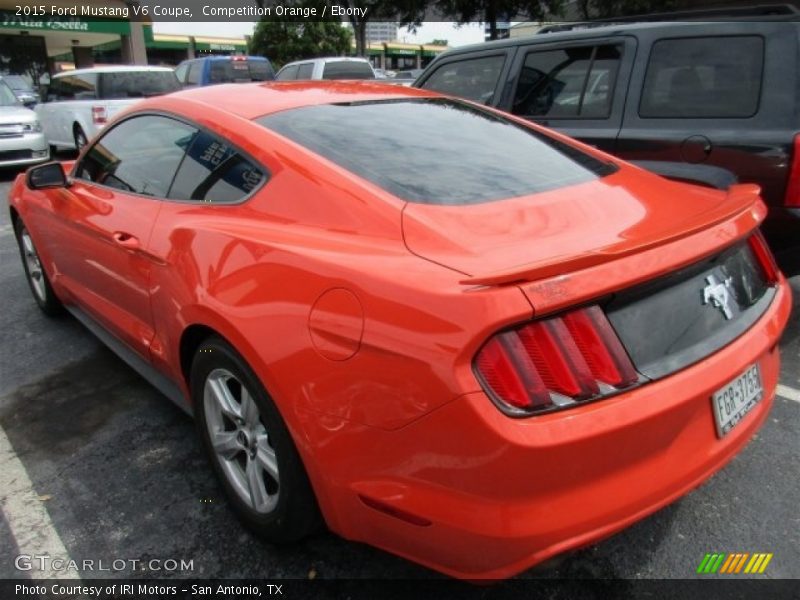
x: 733, y: 402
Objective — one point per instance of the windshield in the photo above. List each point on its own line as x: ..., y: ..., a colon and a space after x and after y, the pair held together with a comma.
x: 137, y: 84
x: 16, y: 82
x: 237, y: 70
x: 7, y: 97
x: 348, y: 69
x: 437, y: 150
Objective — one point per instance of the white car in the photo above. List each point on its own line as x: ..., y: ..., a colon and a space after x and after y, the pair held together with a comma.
x: 21, y: 139
x: 77, y: 104
x: 338, y: 67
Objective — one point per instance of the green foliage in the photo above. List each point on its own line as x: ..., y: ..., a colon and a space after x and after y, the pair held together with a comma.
x: 492, y: 11
x: 604, y: 9
x: 284, y: 41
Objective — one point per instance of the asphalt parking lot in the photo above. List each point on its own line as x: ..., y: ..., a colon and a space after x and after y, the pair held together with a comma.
x: 119, y: 472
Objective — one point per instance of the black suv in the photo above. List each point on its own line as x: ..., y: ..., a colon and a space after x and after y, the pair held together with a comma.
x: 706, y: 102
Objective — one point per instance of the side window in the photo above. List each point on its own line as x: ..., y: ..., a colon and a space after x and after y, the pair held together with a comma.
x: 181, y: 72
x: 139, y: 155
x: 84, y: 87
x: 573, y: 83
x: 193, y: 77
x: 214, y: 172
x: 305, y: 71
x: 287, y: 73
x: 473, y: 79
x: 703, y: 77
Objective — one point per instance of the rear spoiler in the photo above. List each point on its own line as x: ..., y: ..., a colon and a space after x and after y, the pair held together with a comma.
x: 706, y: 175
x: 740, y: 198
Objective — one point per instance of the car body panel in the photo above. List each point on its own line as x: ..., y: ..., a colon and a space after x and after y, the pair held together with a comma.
x: 368, y: 349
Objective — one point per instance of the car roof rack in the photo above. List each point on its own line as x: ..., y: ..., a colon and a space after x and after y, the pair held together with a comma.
x: 762, y: 12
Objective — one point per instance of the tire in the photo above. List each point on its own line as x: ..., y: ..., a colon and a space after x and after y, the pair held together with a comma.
x: 80, y: 137
x: 252, y: 451
x: 35, y: 274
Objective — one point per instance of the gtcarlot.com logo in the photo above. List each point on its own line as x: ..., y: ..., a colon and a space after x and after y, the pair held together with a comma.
x: 44, y: 562
x: 734, y: 563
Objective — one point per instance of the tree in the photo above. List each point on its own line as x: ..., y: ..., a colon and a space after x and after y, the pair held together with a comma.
x: 605, y: 9
x: 284, y: 41
x: 492, y: 11
x: 406, y: 12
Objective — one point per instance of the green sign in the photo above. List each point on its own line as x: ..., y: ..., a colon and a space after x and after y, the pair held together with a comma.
x: 10, y: 20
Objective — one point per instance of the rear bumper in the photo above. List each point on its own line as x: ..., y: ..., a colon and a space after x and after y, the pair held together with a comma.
x: 497, y: 495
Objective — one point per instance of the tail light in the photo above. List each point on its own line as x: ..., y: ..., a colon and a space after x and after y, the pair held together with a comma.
x: 99, y: 115
x: 792, y: 196
x: 764, y: 257
x: 555, y: 363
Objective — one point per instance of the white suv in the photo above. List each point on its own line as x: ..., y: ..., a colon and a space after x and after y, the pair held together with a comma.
x: 327, y: 68
x: 77, y: 104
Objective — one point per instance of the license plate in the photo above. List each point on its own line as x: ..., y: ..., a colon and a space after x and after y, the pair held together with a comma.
x: 735, y: 400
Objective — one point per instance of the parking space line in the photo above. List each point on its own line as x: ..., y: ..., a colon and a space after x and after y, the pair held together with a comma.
x: 27, y: 517
x: 784, y: 391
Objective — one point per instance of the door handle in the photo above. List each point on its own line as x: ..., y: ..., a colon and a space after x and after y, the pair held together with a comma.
x: 126, y: 240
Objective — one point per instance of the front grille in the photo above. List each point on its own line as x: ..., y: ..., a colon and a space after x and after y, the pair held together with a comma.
x: 673, y: 322
x: 15, y: 155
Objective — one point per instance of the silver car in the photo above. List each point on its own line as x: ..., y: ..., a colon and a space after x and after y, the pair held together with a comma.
x: 21, y: 139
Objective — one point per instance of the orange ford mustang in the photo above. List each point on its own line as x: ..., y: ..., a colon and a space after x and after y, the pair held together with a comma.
x: 439, y: 329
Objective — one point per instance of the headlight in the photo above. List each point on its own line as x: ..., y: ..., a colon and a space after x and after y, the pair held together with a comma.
x: 34, y: 127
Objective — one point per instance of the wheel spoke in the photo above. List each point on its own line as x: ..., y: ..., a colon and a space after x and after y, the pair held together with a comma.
x: 265, y: 457
x: 226, y: 444
x: 224, y: 399
x: 28, y: 243
x: 255, y: 485
x: 249, y: 409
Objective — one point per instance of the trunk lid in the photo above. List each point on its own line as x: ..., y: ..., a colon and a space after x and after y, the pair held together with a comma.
x: 558, y: 231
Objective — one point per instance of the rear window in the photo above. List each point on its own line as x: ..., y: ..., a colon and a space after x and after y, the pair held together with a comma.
x: 436, y: 150
x: 234, y: 71
x: 138, y: 84
x: 703, y: 78
x: 348, y: 69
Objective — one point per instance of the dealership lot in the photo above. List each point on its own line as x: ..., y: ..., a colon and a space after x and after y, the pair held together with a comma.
x: 120, y: 474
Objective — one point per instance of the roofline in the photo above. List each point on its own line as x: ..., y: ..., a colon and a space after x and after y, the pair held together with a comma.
x: 112, y: 69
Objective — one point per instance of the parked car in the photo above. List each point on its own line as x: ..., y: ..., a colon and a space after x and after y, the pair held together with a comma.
x: 211, y: 70
x: 509, y: 348
x: 696, y: 101
x: 77, y: 104
x: 22, y: 89
x: 408, y: 75
x: 21, y: 138
x: 338, y: 67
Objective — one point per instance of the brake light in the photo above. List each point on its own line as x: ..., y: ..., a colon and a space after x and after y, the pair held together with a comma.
x: 764, y: 257
x: 238, y: 58
x: 555, y: 363
x: 99, y: 115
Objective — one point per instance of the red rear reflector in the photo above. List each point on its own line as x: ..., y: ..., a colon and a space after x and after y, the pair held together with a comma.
x: 792, y: 196
x: 765, y: 259
x: 395, y: 512
x: 555, y: 362
x: 99, y: 116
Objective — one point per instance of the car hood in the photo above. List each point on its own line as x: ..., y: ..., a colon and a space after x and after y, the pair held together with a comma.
x: 16, y: 114
x: 559, y: 231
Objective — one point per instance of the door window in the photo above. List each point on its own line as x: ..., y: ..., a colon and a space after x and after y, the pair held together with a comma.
x: 287, y: 73
x: 140, y: 155
x: 703, y: 77
x: 181, y: 72
x: 193, y: 77
x: 305, y: 71
x: 572, y: 83
x: 473, y: 79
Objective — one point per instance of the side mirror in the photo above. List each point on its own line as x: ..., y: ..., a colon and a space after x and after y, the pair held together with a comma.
x: 48, y: 175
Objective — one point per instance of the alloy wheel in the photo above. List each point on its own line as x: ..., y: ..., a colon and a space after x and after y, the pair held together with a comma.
x: 34, y: 265
x: 240, y: 440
